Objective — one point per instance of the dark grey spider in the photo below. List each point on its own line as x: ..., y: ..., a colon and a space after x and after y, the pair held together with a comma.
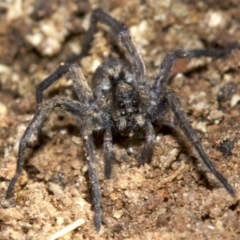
x: 122, y: 100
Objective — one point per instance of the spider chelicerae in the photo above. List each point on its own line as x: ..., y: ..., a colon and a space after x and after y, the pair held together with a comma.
x: 123, y: 100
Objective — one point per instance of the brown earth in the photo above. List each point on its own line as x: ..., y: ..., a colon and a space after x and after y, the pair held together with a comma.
x: 173, y: 197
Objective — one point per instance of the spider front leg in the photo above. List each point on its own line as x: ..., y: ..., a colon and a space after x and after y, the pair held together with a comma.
x: 191, y: 135
x: 78, y: 110
x: 42, y: 111
x: 63, y: 69
x: 96, y: 196
x: 108, y: 152
x: 147, y: 151
x: 80, y: 85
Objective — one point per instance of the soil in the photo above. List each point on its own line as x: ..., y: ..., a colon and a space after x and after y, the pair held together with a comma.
x: 173, y: 196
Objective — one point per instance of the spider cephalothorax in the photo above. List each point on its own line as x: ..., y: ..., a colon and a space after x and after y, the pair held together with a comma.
x: 120, y: 100
x: 120, y: 95
x: 128, y: 111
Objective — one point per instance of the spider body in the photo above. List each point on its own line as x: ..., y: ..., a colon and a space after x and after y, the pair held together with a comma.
x: 121, y: 100
x: 114, y: 89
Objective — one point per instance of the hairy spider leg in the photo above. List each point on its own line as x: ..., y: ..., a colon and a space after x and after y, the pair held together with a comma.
x: 194, y: 140
x: 39, y: 116
x: 84, y: 94
x: 164, y: 74
x: 121, y: 30
x: 158, y: 91
x: 108, y: 152
x: 77, y: 109
x: 80, y: 85
x: 147, y: 150
x: 96, y: 196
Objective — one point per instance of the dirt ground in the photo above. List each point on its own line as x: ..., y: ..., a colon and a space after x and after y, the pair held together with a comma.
x: 172, y: 197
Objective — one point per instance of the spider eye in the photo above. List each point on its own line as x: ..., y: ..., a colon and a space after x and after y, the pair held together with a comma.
x: 121, y: 105
x: 123, y: 113
x: 135, y: 102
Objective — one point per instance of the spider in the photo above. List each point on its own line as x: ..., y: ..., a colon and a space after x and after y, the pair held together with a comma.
x: 123, y: 100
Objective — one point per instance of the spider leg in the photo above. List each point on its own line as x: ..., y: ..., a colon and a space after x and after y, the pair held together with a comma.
x: 59, y: 72
x: 85, y: 95
x: 71, y: 106
x: 147, y: 150
x: 90, y: 156
x: 80, y: 85
x: 108, y: 152
x: 164, y: 74
x: 64, y: 67
x: 77, y: 109
x: 190, y: 134
x: 121, y: 30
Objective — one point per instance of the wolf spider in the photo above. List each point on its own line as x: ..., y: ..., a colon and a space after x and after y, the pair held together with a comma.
x: 121, y: 100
